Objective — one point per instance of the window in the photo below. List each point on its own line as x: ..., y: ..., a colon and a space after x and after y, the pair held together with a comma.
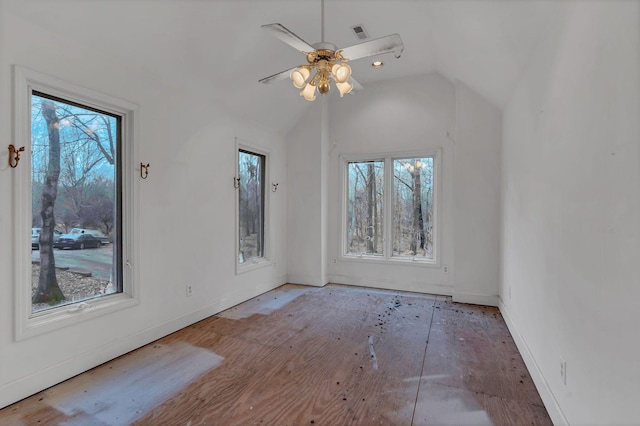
x: 413, y: 207
x: 251, y: 207
x: 78, y: 201
x: 390, y: 207
x: 365, y: 207
x: 75, y: 209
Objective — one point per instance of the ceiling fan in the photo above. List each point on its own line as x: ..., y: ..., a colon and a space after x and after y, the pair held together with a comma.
x: 328, y: 62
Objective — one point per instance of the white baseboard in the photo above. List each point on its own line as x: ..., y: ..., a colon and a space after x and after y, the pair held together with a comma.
x: 305, y: 280
x: 551, y: 404
x: 36, y: 382
x: 475, y: 299
x: 384, y: 284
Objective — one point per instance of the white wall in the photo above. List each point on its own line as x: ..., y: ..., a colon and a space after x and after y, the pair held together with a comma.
x: 186, y: 212
x: 476, y: 198
x: 305, y: 218
x: 393, y: 116
x: 418, y: 113
x: 571, y: 203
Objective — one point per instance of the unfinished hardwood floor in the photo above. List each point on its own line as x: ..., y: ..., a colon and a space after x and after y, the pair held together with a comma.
x: 297, y: 355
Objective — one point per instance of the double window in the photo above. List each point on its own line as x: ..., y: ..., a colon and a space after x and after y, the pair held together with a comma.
x: 390, y: 207
x: 79, y: 204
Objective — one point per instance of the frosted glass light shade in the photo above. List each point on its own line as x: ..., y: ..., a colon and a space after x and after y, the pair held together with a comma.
x: 344, y: 88
x: 341, y: 72
x: 299, y: 77
x: 309, y: 92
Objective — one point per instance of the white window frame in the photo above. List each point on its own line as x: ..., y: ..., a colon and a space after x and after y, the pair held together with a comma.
x: 387, y: 223
x: 28, y: 324
x: 265, y: 260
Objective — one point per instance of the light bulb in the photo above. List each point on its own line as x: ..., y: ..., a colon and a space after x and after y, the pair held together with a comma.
x: 341, y: 72
x: 299, y: 77
x: 344, y: 88
x: 309, y: 92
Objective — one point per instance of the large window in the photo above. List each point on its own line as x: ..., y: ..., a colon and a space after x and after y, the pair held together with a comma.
x: 76, y: 208
x: 76, y: 199
x: 390, y: 208
x: 251, y: 206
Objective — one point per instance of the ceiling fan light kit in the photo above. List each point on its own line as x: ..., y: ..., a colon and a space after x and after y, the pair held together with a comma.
x: 327, y: 61
x: 328, y: 64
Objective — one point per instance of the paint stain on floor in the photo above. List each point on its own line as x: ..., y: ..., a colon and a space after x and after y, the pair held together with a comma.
x: 124, y: 390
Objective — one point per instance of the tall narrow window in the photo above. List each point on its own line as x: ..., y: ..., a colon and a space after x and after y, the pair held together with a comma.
x: 413, y: 207
x: 365, y: 207
x: 76, y: 204
x: 390, y: 208
x: 76, y: 198
x: 251, y: 206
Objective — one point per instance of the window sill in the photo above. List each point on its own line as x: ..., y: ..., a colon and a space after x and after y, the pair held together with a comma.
x: 52, y: 319
x: 422, y: 263
x: 252, y: 265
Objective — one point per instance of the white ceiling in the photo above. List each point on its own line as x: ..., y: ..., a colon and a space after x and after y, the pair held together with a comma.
x: 217, y: 47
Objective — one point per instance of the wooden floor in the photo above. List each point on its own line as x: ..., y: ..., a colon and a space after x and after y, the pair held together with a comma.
x: 299, y: 356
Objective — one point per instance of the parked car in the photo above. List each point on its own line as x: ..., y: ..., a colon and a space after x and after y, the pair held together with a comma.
x: 77, y: 241
x: 35, y: 237
x: 96, y: 233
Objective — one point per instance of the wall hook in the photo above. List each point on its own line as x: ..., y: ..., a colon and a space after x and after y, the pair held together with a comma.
x: 236, y: 182
x: 274, y: 187
x: 146, y: 170
x: 14, y: 156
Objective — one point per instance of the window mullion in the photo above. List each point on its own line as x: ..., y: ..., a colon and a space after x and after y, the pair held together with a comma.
x: 388, y: 208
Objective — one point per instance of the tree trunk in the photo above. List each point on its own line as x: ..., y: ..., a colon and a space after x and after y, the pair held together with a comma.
x: 418, y: 221
x: 371, y: 199
x: 48, y: 290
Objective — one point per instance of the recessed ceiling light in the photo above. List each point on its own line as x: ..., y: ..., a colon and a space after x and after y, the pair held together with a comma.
x: 377, y: 64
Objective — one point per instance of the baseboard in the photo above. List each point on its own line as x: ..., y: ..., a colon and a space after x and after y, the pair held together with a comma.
x: 553, y: 408
x: 475, y: 299
x: 384, y: 284
x: 36, y: 382
x: 305, y: 280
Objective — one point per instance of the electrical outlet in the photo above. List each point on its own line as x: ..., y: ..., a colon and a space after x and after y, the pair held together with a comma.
x: 563, y: 371
x: 445, y: 268
x: 189, y: 290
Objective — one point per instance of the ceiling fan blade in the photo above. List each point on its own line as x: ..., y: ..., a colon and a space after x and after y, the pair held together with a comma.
x: 391, y: 43
x: 356, y: 86
x: 277, y: 77
x: 282, y: 33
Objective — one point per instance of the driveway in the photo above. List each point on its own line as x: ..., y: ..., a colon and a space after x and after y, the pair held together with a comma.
x: 98, y: 261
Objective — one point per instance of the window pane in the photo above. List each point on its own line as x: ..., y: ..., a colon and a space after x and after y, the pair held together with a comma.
x: 413, y: 207
x: 75, y: 213
x: 364, y: 207
x: 251, y: 209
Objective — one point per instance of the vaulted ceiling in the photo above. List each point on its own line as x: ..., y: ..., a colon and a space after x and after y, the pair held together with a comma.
x: 217, y: 48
